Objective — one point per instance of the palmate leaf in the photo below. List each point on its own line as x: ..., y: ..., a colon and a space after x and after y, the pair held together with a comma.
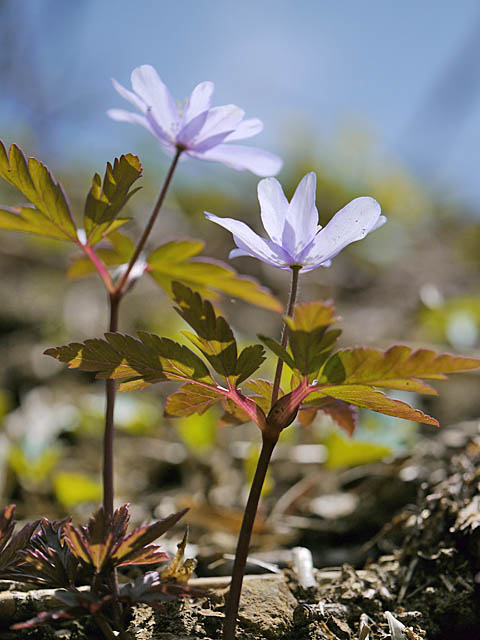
x: 190, y: 399
x: 11, y: 545
x: 344, y: 414
x: 104, y: 543
x: 48, y: 561
x: 150, y: 359
x: 50, y: 214
x: 368, y: 398
x: 309, y: 341
x: 214, y: 337
x: 399, y: 367
x: 351, y: 375
x: 180, y: 261
x: 105, y: 200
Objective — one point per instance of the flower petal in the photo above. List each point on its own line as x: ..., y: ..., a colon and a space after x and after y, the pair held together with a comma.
x: 261, y: 163
x: 273, y: 207
x: 147, y: 84
x: 198, y: 102
x: 246, y: 129
x: 250, y: 242
x: 208, y: 143
x: 128, y: 116
x: 130, y: 96
x: 350, y: 224
x: 191, y: 128
x: 301, y: 221
x: 221, y: 120
x: 158, y: 130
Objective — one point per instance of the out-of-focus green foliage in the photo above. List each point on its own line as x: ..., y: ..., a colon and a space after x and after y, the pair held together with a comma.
x: 198, y: 432
x: 73, y: 488
x: 456, y: 320
x: 34, y: 472
x: 344, y: 452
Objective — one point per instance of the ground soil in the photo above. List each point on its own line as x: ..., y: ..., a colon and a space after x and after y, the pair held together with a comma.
x: 420, y: 583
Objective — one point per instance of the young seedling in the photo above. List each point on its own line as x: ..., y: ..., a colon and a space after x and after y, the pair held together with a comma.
x: 64, y: 557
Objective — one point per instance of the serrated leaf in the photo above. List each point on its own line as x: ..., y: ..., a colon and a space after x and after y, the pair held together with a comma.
x: 397, y: 368
x: 343, y: 413
x: 233, y: 414
x: 368, y: 398
x: 190, y: 399
x: 308, y: 339
x: 180, y: 261
x: 104, y: 544
x: 214, y: 337
x: 51, y: 213
x: 263, y: 390
x: 105, y: 200
x: 150, y: 359
x: 48, y: 561
x: 11, y: 545
x: 249, y: 360
x: 278, y: 350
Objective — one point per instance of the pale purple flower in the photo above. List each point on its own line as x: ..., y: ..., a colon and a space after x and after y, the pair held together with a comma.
x: 199, y: 130
x: 295, y: 237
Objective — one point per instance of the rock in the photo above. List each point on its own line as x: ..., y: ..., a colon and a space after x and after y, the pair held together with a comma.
x: 266, y: 607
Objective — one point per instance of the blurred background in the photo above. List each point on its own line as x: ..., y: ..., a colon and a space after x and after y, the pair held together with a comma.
x: 380, y: 99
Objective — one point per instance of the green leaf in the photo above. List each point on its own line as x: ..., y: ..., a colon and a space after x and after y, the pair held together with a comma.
x: 249, y: 360
x: 263, y: 390
x: 343, y: 413
x: 309, y: 342
x: 150, y: 359
x: 368, y: 398
x: 105, y: 200
x: 190, y: 399
x: 397, y: 368
x: 278, y: 350
x: 51, y: 213
x: 214, y: 337
x: 308, y: 339
x: 180, y: 261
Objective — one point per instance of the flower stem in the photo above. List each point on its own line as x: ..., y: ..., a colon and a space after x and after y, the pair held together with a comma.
x: 244, y: 537
x: 156, y: 209
x: 291, y: 305
x: 110, y: 392
x: 115, y: 298
x: 98, y: 264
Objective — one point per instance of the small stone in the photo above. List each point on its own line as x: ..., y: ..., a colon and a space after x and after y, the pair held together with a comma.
x: 267, y: 606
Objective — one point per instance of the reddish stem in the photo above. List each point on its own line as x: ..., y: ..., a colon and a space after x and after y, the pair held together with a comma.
x: 99, y: 266
x: 243, y: 544
x: 110, y: 392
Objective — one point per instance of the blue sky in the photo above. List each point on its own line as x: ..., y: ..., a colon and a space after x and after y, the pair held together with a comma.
x: 309, y: 64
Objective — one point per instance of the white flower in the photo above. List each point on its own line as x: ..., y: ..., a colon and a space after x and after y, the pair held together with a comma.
x: 200, y: 131
x: 295, y: 237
